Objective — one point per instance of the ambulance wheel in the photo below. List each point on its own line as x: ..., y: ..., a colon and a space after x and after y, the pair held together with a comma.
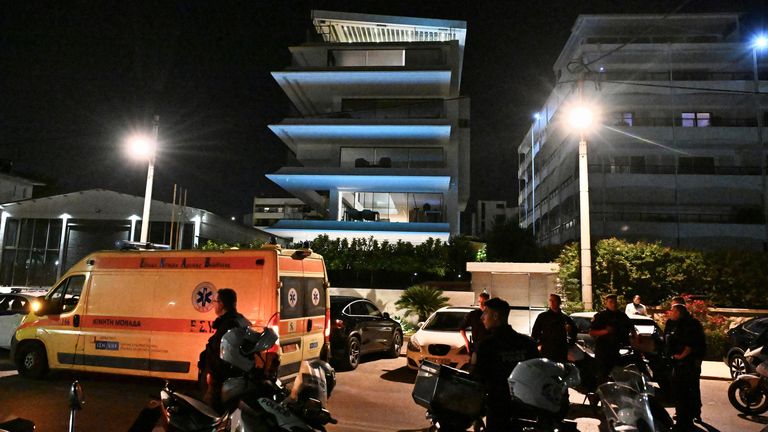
x: 396, y: 346
x: 352, y: 356
x: 31, y: 361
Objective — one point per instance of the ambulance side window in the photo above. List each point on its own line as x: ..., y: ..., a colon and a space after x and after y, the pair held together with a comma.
x: 291, y: 298
x: 66, y: 295
x: 314, y: 297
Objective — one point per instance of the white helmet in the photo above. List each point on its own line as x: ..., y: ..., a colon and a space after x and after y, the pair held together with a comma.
x: 542, y: 383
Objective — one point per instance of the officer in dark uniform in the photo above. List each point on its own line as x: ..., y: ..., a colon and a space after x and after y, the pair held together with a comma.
x: 215, y: 370
x: 554, y: 331
x: 687, y: 345
x: 611, y: 329
x: 473, y: 321
x: 497, y: 354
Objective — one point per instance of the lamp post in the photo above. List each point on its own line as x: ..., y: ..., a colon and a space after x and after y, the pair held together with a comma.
x: 145, y: 147
x: 760, y: 43
x: 536, y: 117
x: 581, y: 119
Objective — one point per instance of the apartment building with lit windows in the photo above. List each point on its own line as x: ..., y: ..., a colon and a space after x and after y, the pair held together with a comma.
x: 679, y: 153
x: 381, y: 131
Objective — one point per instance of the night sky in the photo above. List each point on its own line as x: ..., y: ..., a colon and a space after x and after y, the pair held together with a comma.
x: 76, y: 77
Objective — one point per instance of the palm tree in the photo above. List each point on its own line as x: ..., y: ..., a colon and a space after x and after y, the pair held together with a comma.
x: 422, y: 301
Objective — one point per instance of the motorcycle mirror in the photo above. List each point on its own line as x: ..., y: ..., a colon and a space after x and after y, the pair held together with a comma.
x: 76, y: 396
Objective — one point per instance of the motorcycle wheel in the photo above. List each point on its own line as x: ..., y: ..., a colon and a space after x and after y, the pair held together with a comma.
x: 747, y: 400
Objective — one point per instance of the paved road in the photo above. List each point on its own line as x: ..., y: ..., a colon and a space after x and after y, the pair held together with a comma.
x: 375, y: 397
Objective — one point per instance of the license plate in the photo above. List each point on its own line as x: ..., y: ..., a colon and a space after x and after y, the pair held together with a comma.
x: 438, y: 360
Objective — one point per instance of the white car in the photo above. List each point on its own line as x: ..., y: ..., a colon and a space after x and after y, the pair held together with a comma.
x: 650, y: 333
x: 13, y: 307
x: 439, y: 341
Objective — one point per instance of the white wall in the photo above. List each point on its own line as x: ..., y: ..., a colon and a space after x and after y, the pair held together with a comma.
x: 385, y: 298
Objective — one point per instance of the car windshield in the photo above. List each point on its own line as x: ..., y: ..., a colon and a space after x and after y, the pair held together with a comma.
x: 445, y: 321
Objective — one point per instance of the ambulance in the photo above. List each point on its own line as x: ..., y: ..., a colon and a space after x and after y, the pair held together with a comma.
x: 150, y: 313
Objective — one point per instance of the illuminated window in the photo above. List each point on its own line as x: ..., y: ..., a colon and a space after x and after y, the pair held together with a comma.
x: 698, y: 119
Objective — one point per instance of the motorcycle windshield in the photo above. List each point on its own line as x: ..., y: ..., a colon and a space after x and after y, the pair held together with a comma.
x: 624, y: 404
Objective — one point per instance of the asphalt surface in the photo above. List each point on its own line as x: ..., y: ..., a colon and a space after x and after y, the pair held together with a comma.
x: 375, y: 397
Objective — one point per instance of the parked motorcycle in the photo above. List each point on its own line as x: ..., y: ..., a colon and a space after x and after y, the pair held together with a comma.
x: 454, y: 401
x: 748, y: 393
x: 540, y: 386
x: 629, y: 403
x: 255, y: 400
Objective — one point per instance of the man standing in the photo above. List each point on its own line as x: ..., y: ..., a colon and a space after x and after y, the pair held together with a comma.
x: 611, y: 329
x: 497, y: 354
x: 687, y: 344
x: 554, y: 331
x: 473, y: 321
x: 216, y: 371
x: 635, y: 308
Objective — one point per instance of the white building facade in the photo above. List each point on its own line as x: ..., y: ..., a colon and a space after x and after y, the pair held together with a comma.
x: 382, y: 132
x: 489, y: 213
x: 679, y: 153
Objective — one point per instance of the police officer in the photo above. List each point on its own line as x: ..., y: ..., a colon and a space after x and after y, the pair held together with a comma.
x: 687, y: 345
x: 216, y: 371
x: 554, y: 331
x: 611, y: 329
x: 472, y: 320
x: 497, y: 354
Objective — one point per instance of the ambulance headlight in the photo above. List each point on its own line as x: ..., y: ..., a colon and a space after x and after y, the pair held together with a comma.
x: 36, y: 306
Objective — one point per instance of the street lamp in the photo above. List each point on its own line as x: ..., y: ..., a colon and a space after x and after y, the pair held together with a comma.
x: 144, y: 147
x: 582, y: 119
x: 760, y: 42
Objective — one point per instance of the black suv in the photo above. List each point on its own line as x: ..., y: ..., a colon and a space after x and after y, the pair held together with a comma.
x: 741, y: 338
x: 358, y: 327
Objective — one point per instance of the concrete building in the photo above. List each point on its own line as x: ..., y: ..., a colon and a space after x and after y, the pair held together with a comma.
x: 42, y: 237
x: 382, y: 132
x: 489, y: 213
x: 268, y: 211
x: 14, y: 188
x: 679, y: 153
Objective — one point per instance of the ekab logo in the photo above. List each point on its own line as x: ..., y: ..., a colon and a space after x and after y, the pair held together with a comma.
x: 202, y: 296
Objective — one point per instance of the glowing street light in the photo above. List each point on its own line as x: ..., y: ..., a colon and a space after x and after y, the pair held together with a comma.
x: 144, y: 147
x: 583, y: 118
x: 760, y: 42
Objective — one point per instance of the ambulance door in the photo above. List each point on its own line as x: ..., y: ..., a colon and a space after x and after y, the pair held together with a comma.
x: 314, y: 311
x: 117, y: 324
x: 63, y: 337
x: 292, y: 324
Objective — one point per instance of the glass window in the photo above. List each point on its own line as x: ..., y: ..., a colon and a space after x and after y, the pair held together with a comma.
x: 358, y: 308
x: 445, y: 321
x: 27, y: 229
x: 372, y: 310
x: 695, y: 119
x: 66, y: 295
x: 11, y: 232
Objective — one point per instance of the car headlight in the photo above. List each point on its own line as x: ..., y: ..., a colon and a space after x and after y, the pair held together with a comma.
x: 413, y: 345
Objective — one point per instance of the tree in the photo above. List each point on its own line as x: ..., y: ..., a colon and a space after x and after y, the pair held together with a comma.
x: 421, y: 300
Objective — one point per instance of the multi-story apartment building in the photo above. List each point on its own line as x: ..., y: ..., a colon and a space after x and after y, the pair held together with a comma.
x: 489, y: 213
x: 678, y: 154
x: 382, y: 132
x: 268, y: 211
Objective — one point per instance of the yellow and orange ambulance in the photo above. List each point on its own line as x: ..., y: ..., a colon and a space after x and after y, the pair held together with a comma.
x: 150, y: 313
